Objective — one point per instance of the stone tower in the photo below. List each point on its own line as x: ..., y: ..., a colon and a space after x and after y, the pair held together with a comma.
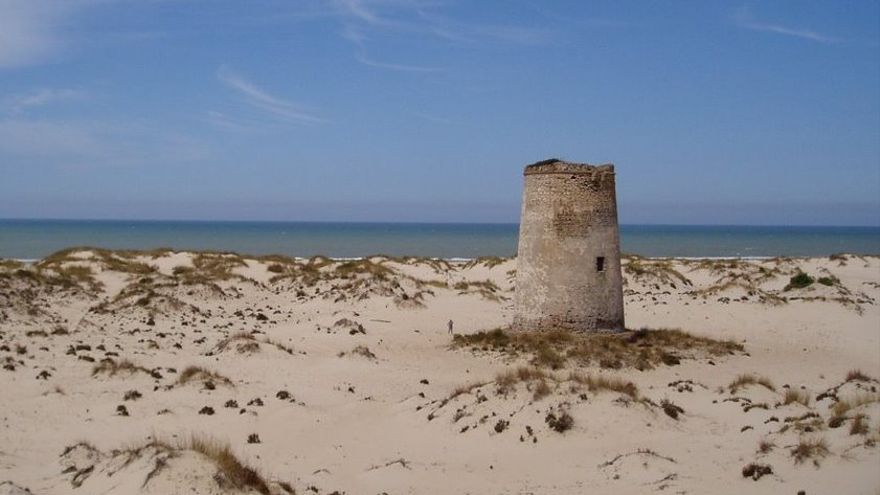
x: 568, y: 261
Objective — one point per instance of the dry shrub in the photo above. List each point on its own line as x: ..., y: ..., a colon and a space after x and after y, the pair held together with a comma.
x: 843, y: 406
x: 859, y: 425
x: 810, y: 448
x: 792, y: 396
x: 198, y: 373
x: 231, y: 472
x: 124, y: 366
x: 857, y: 376
x: 600, y: 383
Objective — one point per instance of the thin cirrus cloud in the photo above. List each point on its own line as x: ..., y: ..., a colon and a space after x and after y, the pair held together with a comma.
x: 416, y: 18
x: 17, y: 104
x: 261, y: 99
x: 743, y: 19
x: 360, y: 57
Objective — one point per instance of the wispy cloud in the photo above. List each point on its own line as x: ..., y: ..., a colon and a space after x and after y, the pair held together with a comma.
x: 260, y: 98
x: 744, y: 19
x: 360, y: 57
x: 420, y: 18
x: 39, y: 97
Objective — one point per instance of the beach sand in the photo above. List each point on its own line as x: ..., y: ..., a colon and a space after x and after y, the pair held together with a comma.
x: 341, y: 377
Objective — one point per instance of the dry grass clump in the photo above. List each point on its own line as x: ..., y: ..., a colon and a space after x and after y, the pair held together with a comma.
x: 857, y: 376
x: 246, y: 343
x: 798, y: 396
x: 242, y: 341
x: 198, y: 373
x: 363, y: 268
x: 486, y: 289
x: 601, y: 383
x: 360, y: 350
x: 756, y: 471
x: 112, y: 368
x: 843, y: 406
x: 654, y: 270
x: 810, y: 448
x: 231, y: 471
x: 642, y: 349
x: 538, y: 382
x: 209, y: 268
x: 487, y: 261
x: 507, y: 380
x: 10, y: 265
x: 747, y: 379
x: 235, y: 472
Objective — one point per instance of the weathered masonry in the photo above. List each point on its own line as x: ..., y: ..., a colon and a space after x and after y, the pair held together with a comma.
x: 568, y: 261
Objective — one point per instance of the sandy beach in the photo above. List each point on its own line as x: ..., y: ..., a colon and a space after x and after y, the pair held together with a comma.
x: 173, y: 372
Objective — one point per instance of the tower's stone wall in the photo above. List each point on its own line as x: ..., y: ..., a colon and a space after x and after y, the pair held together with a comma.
x: 568, y: 261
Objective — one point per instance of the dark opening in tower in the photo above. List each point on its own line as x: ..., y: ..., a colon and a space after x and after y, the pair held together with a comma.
x: 600, y: 264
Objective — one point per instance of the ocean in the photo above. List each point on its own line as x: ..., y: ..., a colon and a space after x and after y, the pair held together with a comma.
x: 33, y: 239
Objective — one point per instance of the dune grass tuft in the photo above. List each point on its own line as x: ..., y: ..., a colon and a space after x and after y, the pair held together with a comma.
x: 198, y: 373
x: 747, y: 379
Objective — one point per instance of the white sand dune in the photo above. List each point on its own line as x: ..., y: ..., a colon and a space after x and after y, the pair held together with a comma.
x: 340, y: 377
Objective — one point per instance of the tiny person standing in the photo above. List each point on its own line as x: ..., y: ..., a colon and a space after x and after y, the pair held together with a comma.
x: 449, y: 325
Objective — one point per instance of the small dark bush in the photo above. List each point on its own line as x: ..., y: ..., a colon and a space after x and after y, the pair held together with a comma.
x: 755, y: 471
x: 562, y: 423
x: 253, y: 438
x: 671, y: 409
x: 132, y: 395
x: 799, y: 281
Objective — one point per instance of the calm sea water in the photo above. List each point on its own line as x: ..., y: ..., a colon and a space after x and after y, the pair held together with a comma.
x: 31, y: 239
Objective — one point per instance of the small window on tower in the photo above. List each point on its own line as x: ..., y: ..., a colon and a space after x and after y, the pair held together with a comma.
x: 600, y: 264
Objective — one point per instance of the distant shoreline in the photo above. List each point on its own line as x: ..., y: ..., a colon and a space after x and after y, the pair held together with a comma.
x: 34, y: 239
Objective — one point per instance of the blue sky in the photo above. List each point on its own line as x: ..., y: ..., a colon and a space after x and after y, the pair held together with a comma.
x: 427, y: 110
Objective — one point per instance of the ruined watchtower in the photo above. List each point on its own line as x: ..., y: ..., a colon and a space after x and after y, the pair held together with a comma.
x: 568, y: 262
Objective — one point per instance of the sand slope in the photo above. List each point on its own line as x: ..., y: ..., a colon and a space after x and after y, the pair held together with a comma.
x: 341, y: 377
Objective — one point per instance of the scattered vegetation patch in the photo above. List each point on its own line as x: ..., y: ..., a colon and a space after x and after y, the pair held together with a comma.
x: 200, y: 374
x: 798, y: 396
x: 641, y: 349
x: 747, y: 379
x: 671, y: 409
x: 756, y: 471
x: 111, y: 367
x: 810, y: 448
x: 658, y: 271
x: 231, y: 473
x: 560, y: 422
x: 799, y: 281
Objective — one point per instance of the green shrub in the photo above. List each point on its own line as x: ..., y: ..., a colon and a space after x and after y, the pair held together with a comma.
x: 799, y: 281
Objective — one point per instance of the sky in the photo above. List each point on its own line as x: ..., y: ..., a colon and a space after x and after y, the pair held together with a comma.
x: 760, y: 113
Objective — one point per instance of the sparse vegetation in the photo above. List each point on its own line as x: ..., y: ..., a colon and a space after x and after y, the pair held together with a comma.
x: 642, y: 349
x: 799, y: 281
x: 810, y: 448
x: 798, y: 396
x: 671, y: 409
x: 112, y: 368
x: 857, y: 376
x: 745, y: 380
x: 197, y: 373
x: 859, y: 425
x: 559, y: 423
x: 756, y: 471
